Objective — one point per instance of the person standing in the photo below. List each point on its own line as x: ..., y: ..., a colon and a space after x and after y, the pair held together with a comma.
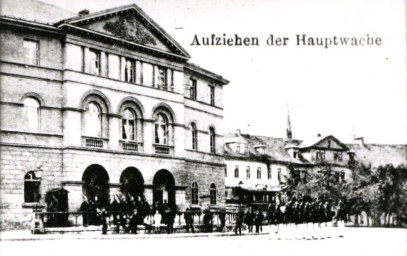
x: 104, y: 219
x: 222, y: 218
x: 259, y: 221
x: 271, y: 213
x: 249, y: 220
x: 189, y: 220
x: 169, y: 217
x: 157, y: 222
x: 207, y: 220
x: 239, y: 222
x: 85, y: 209
x: 134, y: 218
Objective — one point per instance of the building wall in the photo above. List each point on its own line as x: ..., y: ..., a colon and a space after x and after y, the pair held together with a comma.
x: 15, y: 162
x: 231, y: 180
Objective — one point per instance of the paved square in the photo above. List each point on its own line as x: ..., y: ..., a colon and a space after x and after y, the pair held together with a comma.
x: 356, y: 241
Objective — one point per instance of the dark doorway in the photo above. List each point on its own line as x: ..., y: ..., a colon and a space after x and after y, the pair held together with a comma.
x: 132, y: 183
x: 164, y: 188
x: 96, y: 184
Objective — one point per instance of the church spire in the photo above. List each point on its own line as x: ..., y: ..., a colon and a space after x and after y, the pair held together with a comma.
x: 289, y: 132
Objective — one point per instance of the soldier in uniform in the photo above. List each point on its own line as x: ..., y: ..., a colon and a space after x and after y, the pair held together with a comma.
x: 239, y: 222
x: 115, y: 208
x: 169, y: 218
x: 259, y: 221
x: 134, y: 219
x: 279, y: 216
x: 271, y: 213
x: 249, y: 220
x: 85, y: 209
x: 189, y: 220
x: 222, y: 218
x: 207, y: 219
x: 104, y: 219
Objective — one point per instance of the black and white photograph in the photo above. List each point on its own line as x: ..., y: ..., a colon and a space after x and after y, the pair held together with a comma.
x: 203, y: 127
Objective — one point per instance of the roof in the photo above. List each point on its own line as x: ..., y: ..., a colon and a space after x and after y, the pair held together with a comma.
x: 380, y: 154
x: 32, y: 10
x: 311, y: 142
x: 207, y: 73
x: 108, y: 12
x: 274, y: 149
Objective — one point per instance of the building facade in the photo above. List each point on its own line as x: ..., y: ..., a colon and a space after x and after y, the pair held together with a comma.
x: 99, y: 104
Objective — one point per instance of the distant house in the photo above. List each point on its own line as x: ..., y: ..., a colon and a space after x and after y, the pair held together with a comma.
x: 257, y: 167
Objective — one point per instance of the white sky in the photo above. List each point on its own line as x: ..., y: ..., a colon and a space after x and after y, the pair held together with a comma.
x: 329, y: 91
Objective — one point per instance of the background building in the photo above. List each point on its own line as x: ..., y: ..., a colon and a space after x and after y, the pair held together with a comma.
x: 99, y: 104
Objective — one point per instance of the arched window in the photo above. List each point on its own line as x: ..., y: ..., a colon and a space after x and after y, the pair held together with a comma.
x: 161, y: 129
x: 32, y: 114
x: 93, y: 120
x: 213, y: 193
x: 194, y: 134
x: 31, y: 188
x: 212, y: 144
x: 129, y: 125
x: 194, y: 190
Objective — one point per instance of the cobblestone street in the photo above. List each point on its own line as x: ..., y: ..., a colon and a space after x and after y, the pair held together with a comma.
x: 356, y: 241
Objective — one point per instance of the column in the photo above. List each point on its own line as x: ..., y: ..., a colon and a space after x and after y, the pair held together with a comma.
x: 114, y: 131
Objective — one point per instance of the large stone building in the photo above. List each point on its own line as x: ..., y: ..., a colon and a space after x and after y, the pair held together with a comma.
x: 97, y: 103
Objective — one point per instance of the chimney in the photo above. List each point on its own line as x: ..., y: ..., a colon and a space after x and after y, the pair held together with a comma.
x: 318, y: 135
x: 238, y: 132
x: 83, y: 12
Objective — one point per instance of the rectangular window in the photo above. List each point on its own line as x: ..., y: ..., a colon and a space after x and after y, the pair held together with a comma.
x: 238, y: 148
x: 295, y: 154
x: 94, y: 62
x: 269, y: 173
x: 162, y: 78
x: 279, y: 175
x: 338, y: 156
x: 248, y: 172
x: 212, y: 95
x: 258, y: 172
x: 148, y: 74
x: 192, y: 89
x: 31, y: 52
x: 320, y: 155
x: 129, y: 71
x: 236, y: 171
x: 226, y: 171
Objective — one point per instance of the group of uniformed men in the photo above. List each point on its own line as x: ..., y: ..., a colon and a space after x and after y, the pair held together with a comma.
x: 127, y: 213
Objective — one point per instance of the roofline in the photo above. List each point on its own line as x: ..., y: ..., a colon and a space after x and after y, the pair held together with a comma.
x: 125, y: 8
x: 260, y: 159
x: 122, y: 40
x: 207, y: 73
x: 323, y: 138
x: 32, y: 23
